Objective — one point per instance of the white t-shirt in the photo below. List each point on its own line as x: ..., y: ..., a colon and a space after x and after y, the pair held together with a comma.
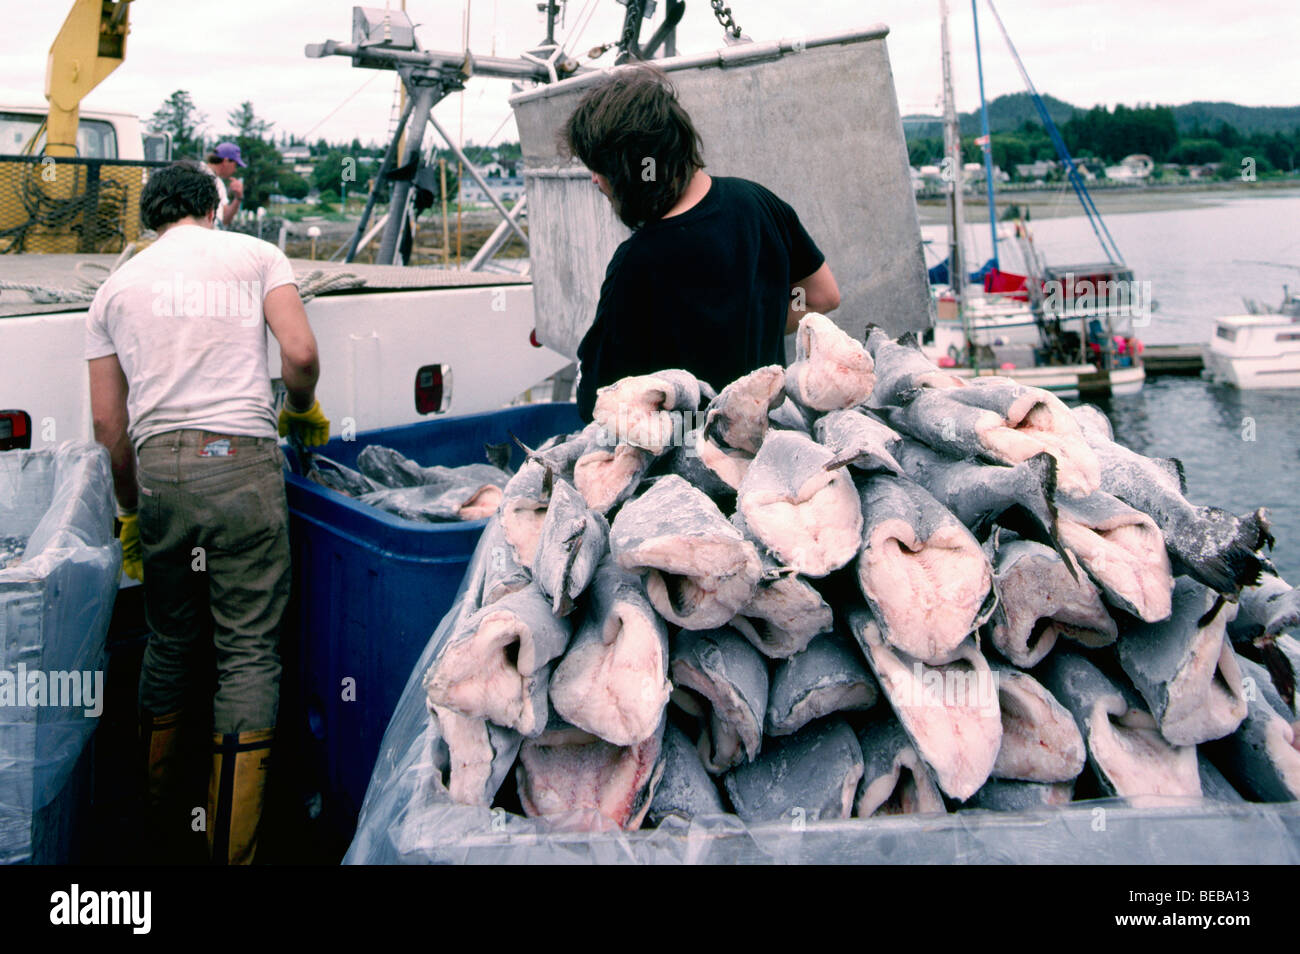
x: 223, y: 198
x: 184, y: 318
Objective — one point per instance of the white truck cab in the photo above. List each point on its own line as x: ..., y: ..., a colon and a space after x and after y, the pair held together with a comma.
x: 101, y: 134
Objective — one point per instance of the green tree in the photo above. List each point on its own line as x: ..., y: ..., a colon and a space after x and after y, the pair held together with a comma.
x: 328, y: 172
x: 246, y: 123
x: 262, y: 172
x: 179, y: 117
x: 293, y: 185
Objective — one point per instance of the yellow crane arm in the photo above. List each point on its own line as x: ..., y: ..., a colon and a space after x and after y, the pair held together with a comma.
x: 90, y: 45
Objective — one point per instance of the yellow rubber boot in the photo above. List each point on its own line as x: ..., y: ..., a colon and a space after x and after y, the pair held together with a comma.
x: 160, y: 737
x: 236, y: 790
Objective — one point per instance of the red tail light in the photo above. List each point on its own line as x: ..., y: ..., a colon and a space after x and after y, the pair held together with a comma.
x: 432, y: 389
x: 15, y: 430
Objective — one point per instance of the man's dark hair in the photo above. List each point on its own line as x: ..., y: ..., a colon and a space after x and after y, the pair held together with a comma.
x: 179, y: 190
x: 631, y: 130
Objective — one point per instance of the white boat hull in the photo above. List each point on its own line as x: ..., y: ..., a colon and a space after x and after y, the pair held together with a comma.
x: 371, y: 347
x: 1255, y: 352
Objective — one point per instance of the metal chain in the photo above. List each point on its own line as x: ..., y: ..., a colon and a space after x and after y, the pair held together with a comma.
x: 723, y: 13
x: 634, y: 15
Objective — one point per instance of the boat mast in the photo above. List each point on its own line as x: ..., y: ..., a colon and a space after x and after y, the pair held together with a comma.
x: 952, y: 150
x: 987, y: 140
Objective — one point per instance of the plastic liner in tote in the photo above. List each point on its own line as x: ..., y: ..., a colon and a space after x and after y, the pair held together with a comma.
x: 909, y: 571
x: 409, y: 817
x: 56, y: 600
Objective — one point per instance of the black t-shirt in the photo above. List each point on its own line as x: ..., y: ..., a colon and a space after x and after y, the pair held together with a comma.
x: 707, y: 290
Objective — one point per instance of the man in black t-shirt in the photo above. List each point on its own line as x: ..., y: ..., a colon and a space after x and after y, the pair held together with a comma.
x: 717, y: 270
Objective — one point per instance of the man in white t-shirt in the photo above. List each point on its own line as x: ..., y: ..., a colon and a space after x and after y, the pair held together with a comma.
x: 181, y: 396
x: 222, y: 163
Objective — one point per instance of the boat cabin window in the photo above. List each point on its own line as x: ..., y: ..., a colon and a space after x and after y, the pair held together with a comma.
x: 1289, y: 336
x: 95, y: 137
x: 1229, y: 334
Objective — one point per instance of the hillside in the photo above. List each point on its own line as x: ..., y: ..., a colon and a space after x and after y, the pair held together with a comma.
x: 1007, y: 113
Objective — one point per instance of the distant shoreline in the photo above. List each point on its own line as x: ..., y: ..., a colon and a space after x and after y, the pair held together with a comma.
x: 1059, y: 201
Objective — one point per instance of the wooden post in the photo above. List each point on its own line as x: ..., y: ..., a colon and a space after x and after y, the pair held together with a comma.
x: 446, y: 235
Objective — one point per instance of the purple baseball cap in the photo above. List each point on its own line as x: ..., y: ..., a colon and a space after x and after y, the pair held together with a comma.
x: 228, y: 150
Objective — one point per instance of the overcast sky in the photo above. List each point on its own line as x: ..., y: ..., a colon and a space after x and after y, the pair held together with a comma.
x: 1083, y: 51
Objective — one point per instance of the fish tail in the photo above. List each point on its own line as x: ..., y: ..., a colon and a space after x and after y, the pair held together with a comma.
x: 1039, y: 499
x: 1236, y: 561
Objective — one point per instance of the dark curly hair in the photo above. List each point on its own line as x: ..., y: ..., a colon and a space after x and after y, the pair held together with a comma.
x: 632, y: 130
x: 179, y: 190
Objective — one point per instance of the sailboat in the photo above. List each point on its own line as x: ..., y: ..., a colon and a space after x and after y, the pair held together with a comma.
x: 1068, y: 329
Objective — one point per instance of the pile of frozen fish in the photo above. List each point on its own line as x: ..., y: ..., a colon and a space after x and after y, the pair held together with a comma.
x: 859, y: 585
x: 11, y: 550
x: 387, y: 480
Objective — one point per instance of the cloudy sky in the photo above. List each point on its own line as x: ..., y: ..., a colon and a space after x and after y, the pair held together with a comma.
x: 1083, y: 51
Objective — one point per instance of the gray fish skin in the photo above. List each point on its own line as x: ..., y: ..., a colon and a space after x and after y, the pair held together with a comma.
x: 1215, y: 547
x: 1011, y: 795
x: 1040, y: 740
x: 1185, y: 669
x: 1269, y: 608
x: 437, y: 503
x: 343, y: 479
x: 496, y: 665
x: 1126, y: 751
x: 715, y: 470
x: 730, y: 675
x: 1123, y: 551
x: 1004, y: 422
x: 567, y: 772
x: 479, y: 755
x: 699, y: 569
x: 829, y: 676
x: 978, y: 494
x: 789, y: 416
x: 809, y: 776
x: 1039, y: 600
x: 738, y: 416
x: 523, y: 509
x: 1214, y: 787
x: 831, y: 370
x: 389, y: 468
x: 925, y: 606
x: 572, y: 542
x: 686, y: 789
x: 860, y: 440
x: 808, y: 517
x: 613, y: 680
x: 950, y: 712
x: 895, y: 779
x: 1262, y: 758
x: 901, y: 370
x: 502, y: 575
x: 785, y: 612
x: 648, y: 411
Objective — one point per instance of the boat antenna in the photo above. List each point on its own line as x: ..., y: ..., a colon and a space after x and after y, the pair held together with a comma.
x: 1099, y: 229
x: 985, y: 140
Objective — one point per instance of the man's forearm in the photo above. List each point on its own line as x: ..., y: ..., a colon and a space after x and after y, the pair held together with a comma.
x: 300, y: 385
x: 122, y: 455
x: 229, y: 210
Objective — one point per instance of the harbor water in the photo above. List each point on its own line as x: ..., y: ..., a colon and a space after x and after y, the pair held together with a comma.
x: 1241, y: 449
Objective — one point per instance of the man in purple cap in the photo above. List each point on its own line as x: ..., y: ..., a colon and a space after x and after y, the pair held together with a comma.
x: 222, y: 162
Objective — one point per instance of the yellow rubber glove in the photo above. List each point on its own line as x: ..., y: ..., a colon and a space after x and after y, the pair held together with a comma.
x: 311, y: 426
x: 132, y: 553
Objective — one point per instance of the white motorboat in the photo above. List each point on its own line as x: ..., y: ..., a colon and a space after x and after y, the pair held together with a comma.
x: 1260, y: 350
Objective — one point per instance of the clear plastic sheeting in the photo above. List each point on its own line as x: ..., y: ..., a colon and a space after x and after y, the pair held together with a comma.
x: 409, y: 818
x: 55, y: 606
